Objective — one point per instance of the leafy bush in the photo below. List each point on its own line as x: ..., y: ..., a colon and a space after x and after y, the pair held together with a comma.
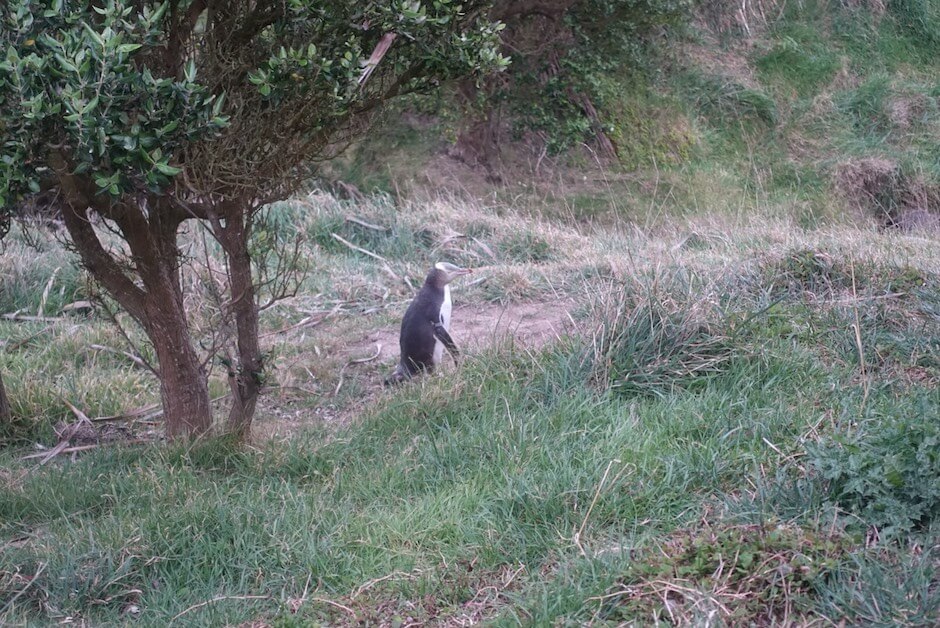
x: 567, y: 60
x: 804, y: 270
x: 887, y: 470
x: 756, y: 574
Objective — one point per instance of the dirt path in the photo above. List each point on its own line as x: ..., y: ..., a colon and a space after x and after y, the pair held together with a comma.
x: 474, y: 328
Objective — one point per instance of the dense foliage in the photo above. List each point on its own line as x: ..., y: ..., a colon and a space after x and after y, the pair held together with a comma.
x: 570, y: 61
x: 126, y: 89
x: 597, y: 46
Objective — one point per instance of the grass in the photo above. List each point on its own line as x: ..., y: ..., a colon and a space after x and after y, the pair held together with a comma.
x: 40, y: 277
x: 739, y: 427
x: 800, y: 59
x: 534, y: 486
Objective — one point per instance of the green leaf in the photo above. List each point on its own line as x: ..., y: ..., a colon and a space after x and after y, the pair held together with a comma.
x: 93, y: 34
x: 167, y: 169
x: 217, y: 106
x: 190, y: 71
x: 169, y: 128
x: 90, y: 106
x: 65, y: 63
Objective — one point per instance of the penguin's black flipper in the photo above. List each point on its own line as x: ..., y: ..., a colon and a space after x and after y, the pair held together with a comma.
x: 441, y: 334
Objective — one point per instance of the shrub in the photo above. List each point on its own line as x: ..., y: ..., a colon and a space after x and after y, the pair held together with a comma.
x: 742, y: 574
x: 804, y: 270
x: 887, y: 470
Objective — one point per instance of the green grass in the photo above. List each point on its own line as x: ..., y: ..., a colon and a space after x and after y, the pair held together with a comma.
x: 800, y: 59
x: 39, y: 276
x: 530, y: 489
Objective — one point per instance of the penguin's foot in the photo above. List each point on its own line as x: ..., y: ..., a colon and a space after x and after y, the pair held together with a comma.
x: 396, y: 378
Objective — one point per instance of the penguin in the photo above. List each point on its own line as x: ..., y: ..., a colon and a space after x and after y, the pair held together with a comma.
x: 426, y: 325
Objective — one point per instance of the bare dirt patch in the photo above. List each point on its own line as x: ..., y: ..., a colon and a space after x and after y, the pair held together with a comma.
x: 477, y: 327
x: 355, y: 361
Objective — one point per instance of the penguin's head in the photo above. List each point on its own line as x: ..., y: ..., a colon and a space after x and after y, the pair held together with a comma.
x: 444, y: 273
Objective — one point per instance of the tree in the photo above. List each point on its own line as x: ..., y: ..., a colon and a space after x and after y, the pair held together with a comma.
x: 568, y: 58
x: 149, y: 115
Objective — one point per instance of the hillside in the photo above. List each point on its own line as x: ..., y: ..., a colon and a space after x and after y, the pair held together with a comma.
x: 700, y: 385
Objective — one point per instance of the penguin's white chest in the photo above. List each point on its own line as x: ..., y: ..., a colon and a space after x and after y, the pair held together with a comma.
x: 446, y: 308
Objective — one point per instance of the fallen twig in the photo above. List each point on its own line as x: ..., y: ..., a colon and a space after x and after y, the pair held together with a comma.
x: 76, y: 306
x: 367, y: 225
x: 16, y: 316
x: 32, y: 581
x: 147, y: 413
x: 388, y: 269
x: 337, y: 605
x: 130, y: 356
x: 130, y: 414
x: 220, y: 598
x: 59, y: 449
x: 19, y: 343
x: 307, y: 322
x: 82, y: 417
x: 52, y: 453
x: 346, y: 242
x: 371, y: 583
x: 65, y: 436
x: 378, y: 352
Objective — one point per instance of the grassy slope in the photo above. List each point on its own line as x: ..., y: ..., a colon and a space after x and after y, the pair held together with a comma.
x: 696, y: 459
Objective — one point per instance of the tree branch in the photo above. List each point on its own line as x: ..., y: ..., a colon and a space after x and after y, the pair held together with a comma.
x: 181, y: 30
x: 99, y: 261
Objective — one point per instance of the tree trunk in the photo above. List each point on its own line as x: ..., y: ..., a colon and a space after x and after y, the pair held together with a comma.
x: 157, y: 304
x: 184, y: 389
x: 5, y: 414
x: 607, y: 149
x: 478, y: 142
x: 245, y: 378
